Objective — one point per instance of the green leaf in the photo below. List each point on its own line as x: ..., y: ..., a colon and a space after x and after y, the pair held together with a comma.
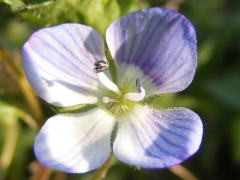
x: 205, y: 51
x: 100, y: 13
x: 7, y: 110
x: 125, y: 5
x: 33, y: 6
x: 13, y: 3
x: 18, y: 5
x: 95, y: 13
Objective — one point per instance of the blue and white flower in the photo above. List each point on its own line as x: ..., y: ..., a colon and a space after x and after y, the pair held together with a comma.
x: 154, y: 52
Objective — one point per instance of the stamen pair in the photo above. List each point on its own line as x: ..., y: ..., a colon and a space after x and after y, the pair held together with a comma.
x: 100, y: 67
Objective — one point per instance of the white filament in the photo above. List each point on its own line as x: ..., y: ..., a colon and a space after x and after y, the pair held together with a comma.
x: 135, y: 96
x: 108, y: 83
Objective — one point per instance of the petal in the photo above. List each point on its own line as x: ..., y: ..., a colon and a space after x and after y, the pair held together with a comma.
x: 152, y: 138
x: 75, y: 143
x: 156, y: 45
x: 59, y: 62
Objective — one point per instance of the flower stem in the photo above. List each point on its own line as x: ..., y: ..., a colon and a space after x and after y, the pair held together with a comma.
x: 31, y: 99
x: 40, y: 172
x: 174, y: 4
x: 12, y: 133
x: 102, y: 171
x: 182, y: 172
x: 24, y: 86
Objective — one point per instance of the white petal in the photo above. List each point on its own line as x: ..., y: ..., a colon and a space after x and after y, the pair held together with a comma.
x: 75, y: 143
x: 153, y: 138
x: 59, y: 62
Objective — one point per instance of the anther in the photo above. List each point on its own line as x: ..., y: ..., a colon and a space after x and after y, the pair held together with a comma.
x: 100, y: 66
x: 138, y: 86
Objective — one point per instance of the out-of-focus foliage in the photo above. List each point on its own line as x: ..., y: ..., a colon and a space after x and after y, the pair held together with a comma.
x: 214, y: 93
x: 49, y: 13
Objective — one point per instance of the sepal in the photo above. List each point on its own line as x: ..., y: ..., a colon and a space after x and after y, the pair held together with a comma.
x: 79, y: 108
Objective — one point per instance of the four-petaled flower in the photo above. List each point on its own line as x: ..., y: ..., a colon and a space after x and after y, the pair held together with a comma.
x: 154, y: 52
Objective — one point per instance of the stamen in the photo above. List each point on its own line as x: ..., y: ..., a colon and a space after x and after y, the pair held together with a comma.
x: 101, y: 66
x: 107, y: 100
x: 136, y: 96
x: 108, y: 83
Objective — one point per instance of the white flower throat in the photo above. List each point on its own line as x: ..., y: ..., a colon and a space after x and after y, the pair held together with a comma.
x: 100, y: 67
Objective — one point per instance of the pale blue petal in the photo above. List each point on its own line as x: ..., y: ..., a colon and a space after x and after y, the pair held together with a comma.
x: 75, y: 143
x: 59, y: 61
x: 158, y: 43
x: 152, y: 138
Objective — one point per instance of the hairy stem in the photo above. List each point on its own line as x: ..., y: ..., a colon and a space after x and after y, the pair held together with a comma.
x: 102, y: 171
x: 182, y: 172
x: 40, y: 172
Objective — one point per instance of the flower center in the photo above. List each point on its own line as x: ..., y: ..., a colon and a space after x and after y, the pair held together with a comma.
x: 121, y: 99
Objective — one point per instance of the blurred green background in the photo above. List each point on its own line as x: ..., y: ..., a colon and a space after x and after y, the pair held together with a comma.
x: 214, y: 94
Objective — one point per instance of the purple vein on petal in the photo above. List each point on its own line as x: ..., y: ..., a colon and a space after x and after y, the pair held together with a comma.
x: 160, y: 146
x: 124, y: 35
x: 153, y: 127
x: 179, y: 126
x: 132, y: 51
x: 44, y: 56
x: 68, y: 63
x: 167, y: 64
x: 165, y: 139
x: 79, y: 48
x: 170, y: 74
x: 168, y: 133
x: 148, y: 42
x: 83, y: 90
x: 67, y: 57
x: 95, y: 45
x: 173, y: 88
x: 143, y: 44
x: 139, y: 134
x: 161, y: 52
x: 95, y: 49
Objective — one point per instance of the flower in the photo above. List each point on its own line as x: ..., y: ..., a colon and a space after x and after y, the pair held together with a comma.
x: 154, y: 52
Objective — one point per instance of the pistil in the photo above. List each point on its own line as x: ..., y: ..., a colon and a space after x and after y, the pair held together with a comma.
x: 107, y: 100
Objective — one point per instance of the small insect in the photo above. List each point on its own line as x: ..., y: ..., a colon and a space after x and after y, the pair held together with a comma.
x: 100, y: 66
